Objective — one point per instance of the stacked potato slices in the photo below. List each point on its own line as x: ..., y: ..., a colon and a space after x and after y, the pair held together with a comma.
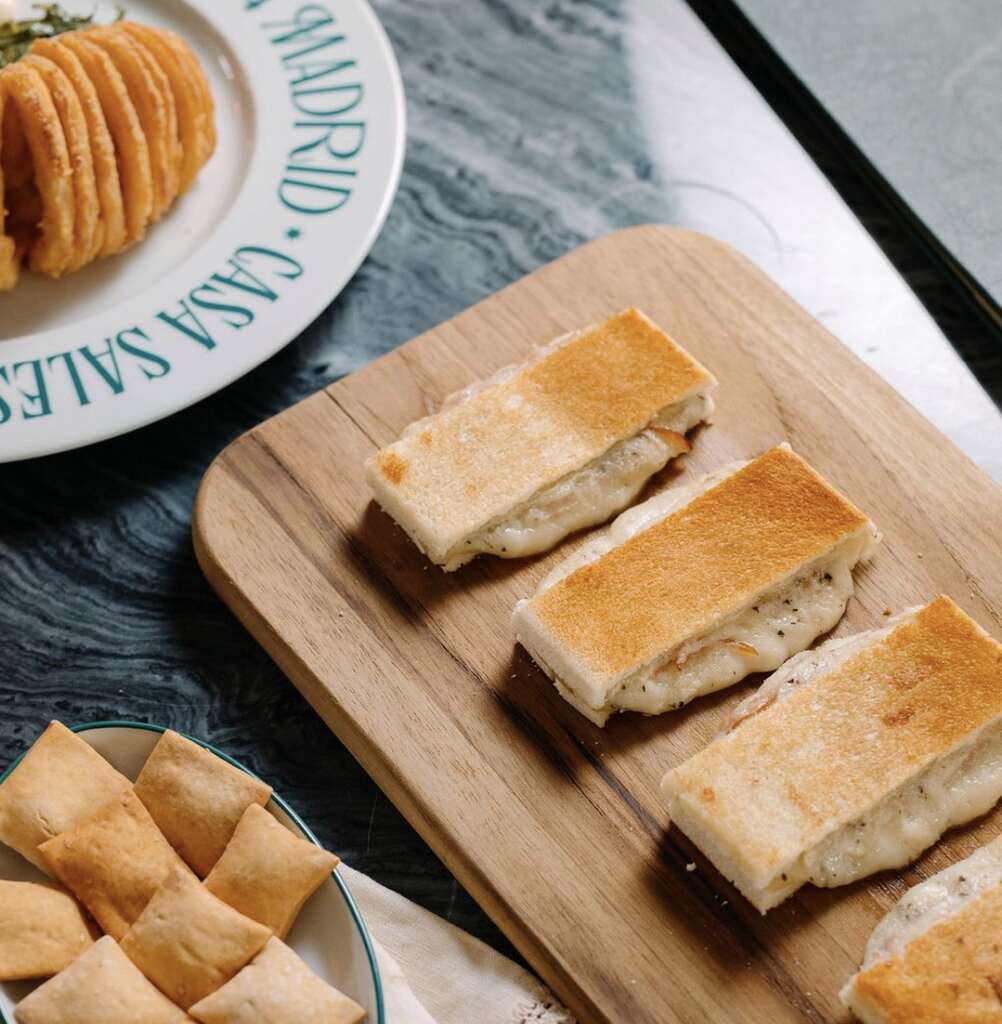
x: 100, y: 131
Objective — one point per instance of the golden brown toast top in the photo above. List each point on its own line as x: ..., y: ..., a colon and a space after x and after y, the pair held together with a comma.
x: 473, y: 463
x: 699, y: 565
x: 827, y: 754
x: 950, y: 974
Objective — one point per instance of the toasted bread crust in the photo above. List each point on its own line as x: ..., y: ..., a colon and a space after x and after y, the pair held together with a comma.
x: 698, y: 566
x: 950, y: 974
x: 794, y: 773
x: 471, y: 464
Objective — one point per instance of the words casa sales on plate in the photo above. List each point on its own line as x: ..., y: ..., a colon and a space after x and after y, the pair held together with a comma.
x: 317, y: 180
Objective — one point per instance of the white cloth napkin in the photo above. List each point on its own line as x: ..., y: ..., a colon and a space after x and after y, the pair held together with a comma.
x: 434, y: 973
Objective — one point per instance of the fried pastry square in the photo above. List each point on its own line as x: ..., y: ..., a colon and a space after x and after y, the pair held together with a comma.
x: 188, y: 942
x: 268, y: 873
x: 102, y: 986
x: 113, y: 862
x: 276, y: 987
x: 196, y: 798
x: 61, y: 781
x: 42, y: 930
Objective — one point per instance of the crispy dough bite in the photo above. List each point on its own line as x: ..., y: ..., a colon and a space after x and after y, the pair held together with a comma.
x: 153, y: 100
x: 113, y: 862
x: 42, y: 930
x: 196, y: 798
x: 276, y: 987
x: 49, y: 245
x: 268, y: 873
x: 695, y: 588
x: 87, y: 208
x: 515, y: 463
x: 60, y: 782
x: 102, y: 986
x: 853, y: 758
x: 132, y: 152
x: 188, y: 942
x: 936, y: 957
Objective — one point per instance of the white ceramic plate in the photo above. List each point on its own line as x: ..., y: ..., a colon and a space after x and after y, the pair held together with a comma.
x: 310, y: 113
x: 329, y: 934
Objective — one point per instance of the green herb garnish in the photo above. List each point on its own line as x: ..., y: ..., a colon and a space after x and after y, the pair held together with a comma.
x: 16, y: 37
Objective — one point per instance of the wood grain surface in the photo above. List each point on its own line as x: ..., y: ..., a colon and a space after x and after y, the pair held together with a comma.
x: 555, y: 826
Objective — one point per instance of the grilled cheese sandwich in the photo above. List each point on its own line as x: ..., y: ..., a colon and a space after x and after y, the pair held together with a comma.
x: 852, y: 758
x: 694, y: 589
x: 512, y: 465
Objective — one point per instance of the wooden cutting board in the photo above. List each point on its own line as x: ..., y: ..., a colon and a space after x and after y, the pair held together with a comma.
x: 556, y: 826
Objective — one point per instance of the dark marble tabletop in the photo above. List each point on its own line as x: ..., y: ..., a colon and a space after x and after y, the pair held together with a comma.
x: 533, y: 126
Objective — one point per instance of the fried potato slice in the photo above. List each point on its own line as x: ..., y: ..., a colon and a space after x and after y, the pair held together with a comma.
x: 10, y: 262
x: 184, y: 53
x: 50, y: 250
x: 87, y: 207
x: 21, y: 198
x: 131, y: 150
x: 16, y: 156
x: 194, y: 122
x: 151, y: 95
x: 111, y: 225
x: 173, y: 153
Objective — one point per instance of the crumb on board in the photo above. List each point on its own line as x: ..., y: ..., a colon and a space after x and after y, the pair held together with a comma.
x: 887, y: 611
x: 691, y: 866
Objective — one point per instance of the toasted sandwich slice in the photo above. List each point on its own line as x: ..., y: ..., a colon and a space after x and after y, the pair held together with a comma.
x: 693, y: 589
x: 855, y: 757
x: 936, y: 958
x: 509, y: 467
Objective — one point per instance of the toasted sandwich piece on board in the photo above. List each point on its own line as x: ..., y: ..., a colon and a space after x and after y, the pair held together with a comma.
x: 854, y: 757
x: 936, y: 957
x: 513, y: 464
x: 693, y: 589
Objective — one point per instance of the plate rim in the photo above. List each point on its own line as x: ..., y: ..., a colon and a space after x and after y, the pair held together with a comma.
x: 297, y: 323
x: 286, y: 808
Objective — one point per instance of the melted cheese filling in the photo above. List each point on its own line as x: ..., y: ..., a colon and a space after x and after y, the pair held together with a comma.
x: 963, y: 785
x: 759, y: 639
x: 591, y: 494
x: 934, y: 900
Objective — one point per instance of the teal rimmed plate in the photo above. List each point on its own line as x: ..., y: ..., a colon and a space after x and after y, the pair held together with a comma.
x: 330, y: 934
